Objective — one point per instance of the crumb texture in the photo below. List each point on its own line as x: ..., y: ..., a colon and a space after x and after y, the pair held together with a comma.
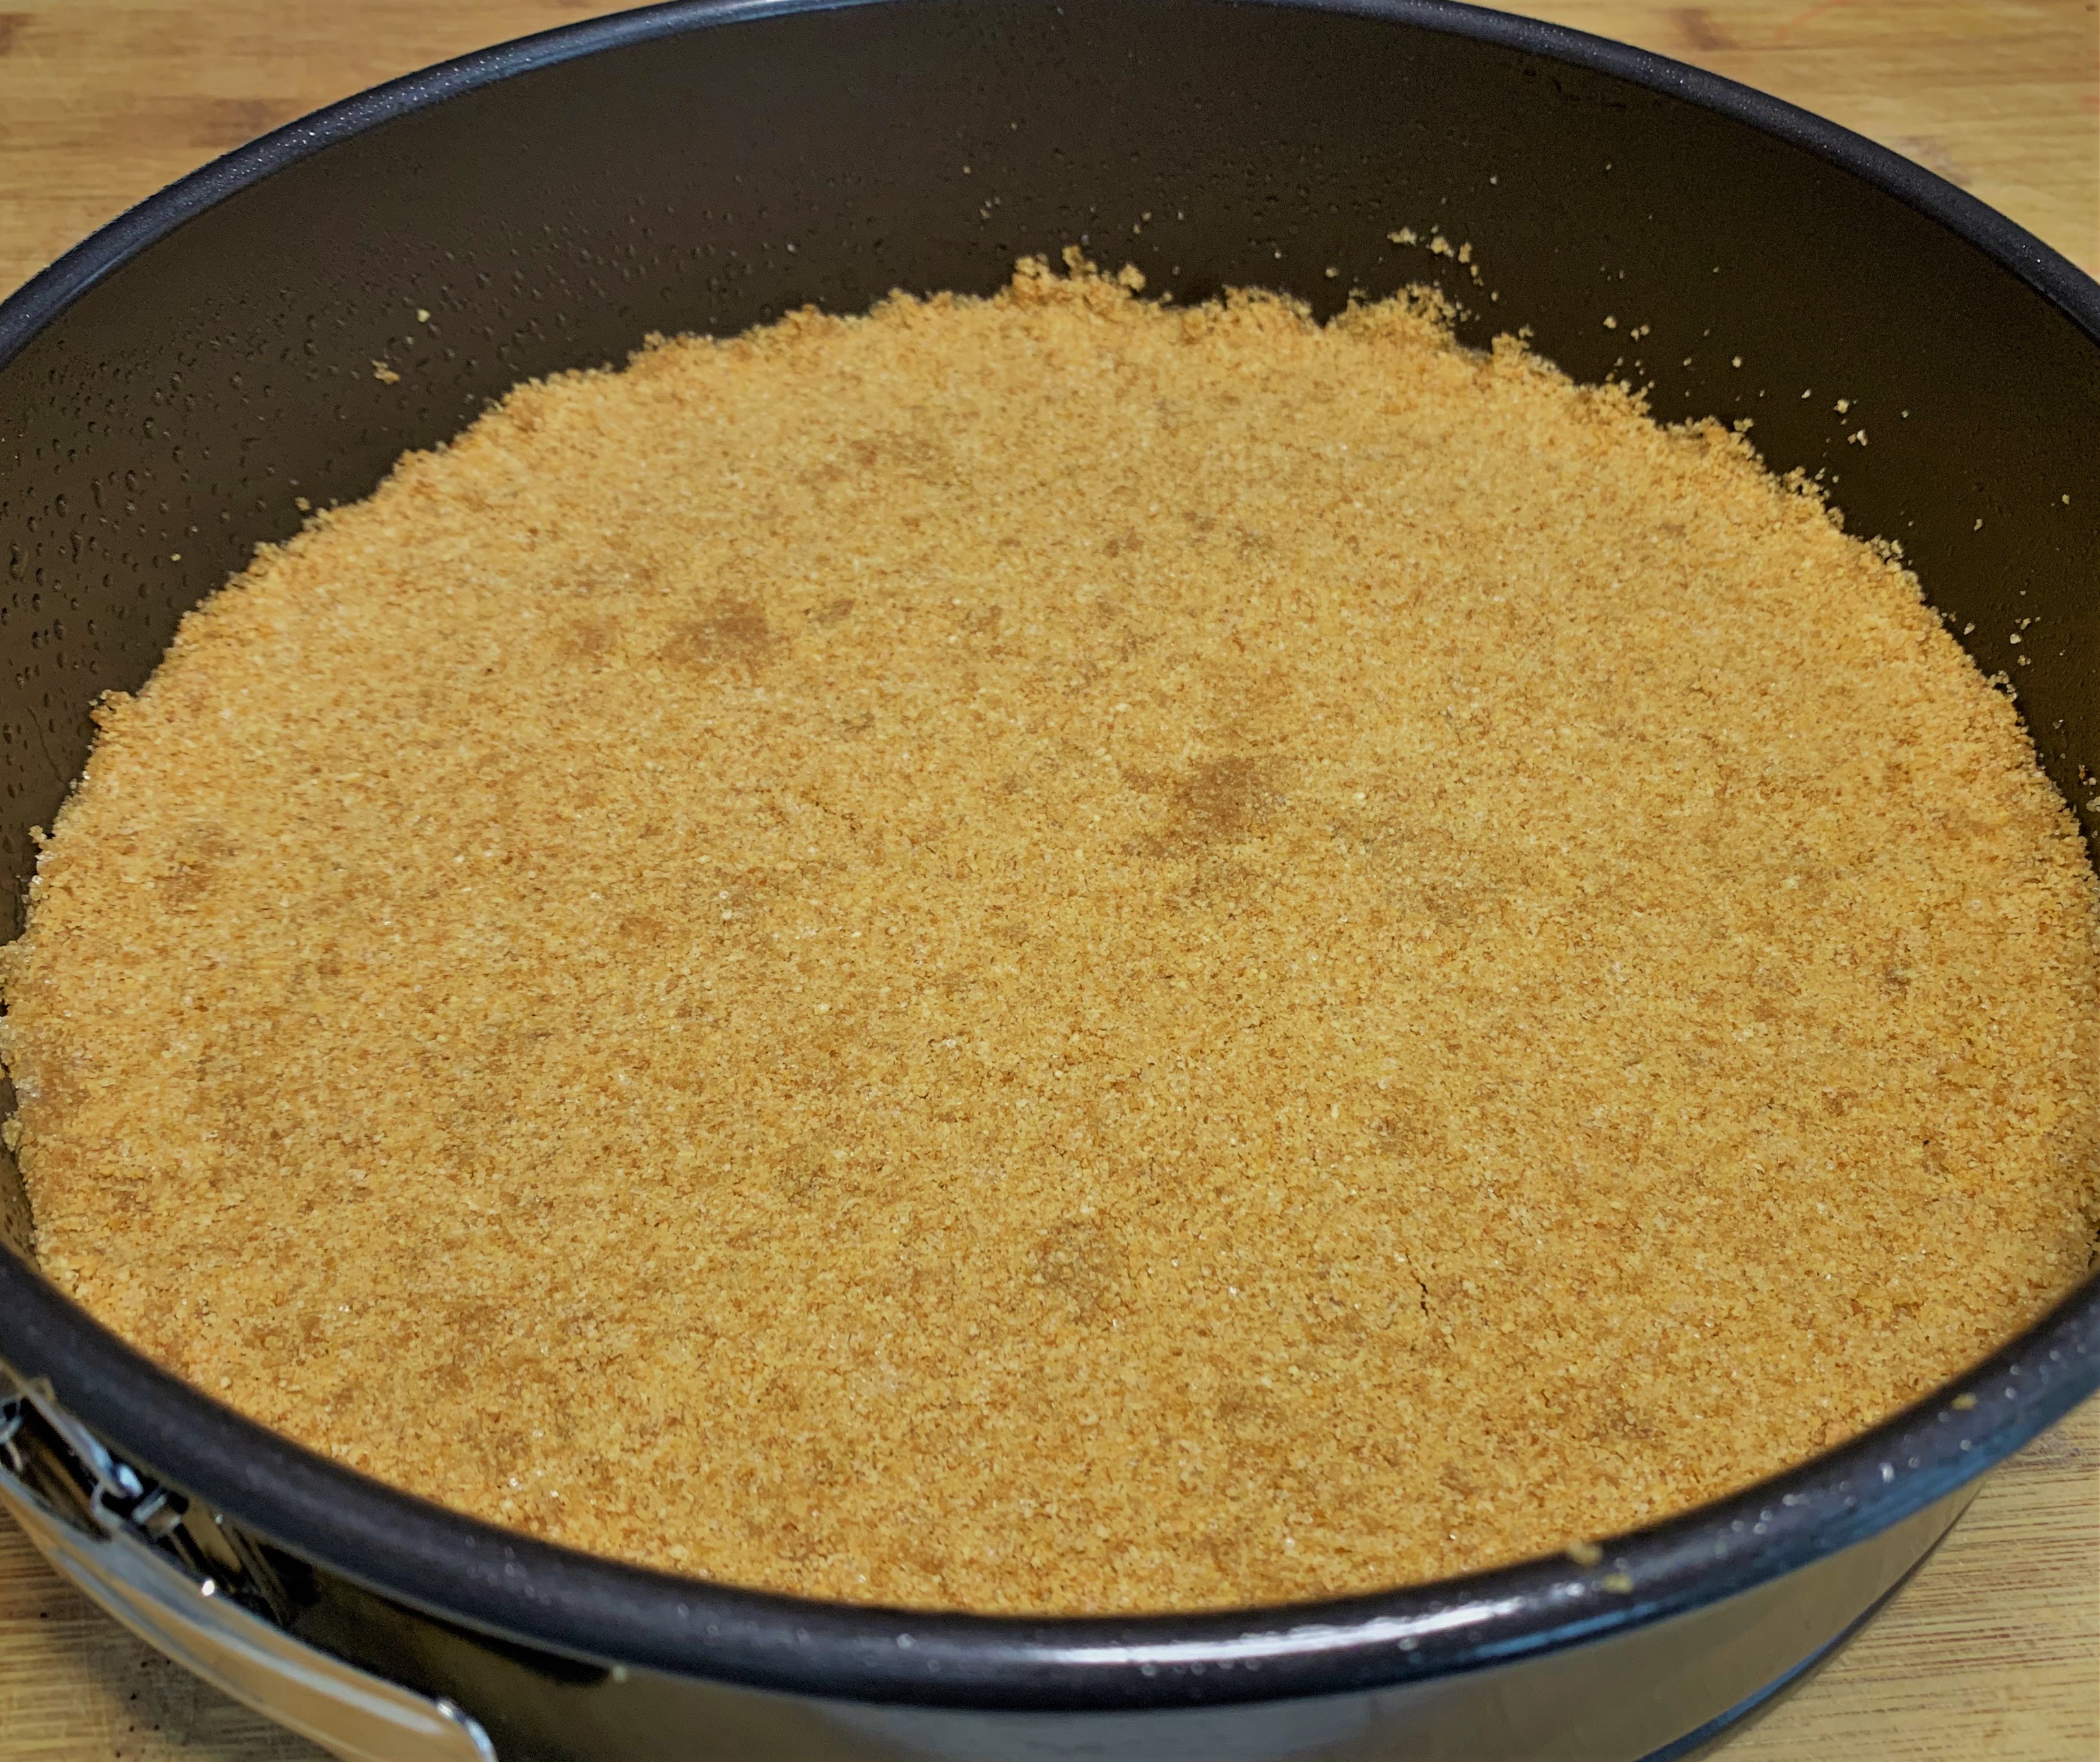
x: 1053, y: 954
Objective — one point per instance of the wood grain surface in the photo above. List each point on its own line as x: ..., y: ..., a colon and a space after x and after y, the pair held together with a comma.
x: 1992, y: 1653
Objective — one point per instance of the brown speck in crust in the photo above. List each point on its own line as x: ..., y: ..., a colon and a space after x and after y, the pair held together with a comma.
x: 1124, y: 958
x: 1081, y: 1261
x: 1224, y: 798
x: 734, y: 634
x: 588, y: 638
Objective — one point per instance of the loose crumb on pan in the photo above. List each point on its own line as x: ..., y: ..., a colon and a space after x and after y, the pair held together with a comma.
x: 1048, y: 953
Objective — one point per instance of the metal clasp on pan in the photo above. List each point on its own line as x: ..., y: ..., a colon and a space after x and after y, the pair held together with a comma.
x: 118, y: 1543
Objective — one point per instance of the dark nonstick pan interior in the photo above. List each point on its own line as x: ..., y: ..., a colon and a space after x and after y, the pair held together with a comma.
x: 181, y: 387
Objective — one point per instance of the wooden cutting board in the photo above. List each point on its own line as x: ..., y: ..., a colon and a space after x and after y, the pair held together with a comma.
x: 1992, y: 1653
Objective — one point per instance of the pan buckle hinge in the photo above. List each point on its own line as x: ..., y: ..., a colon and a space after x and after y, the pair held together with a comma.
x: 43, y: 1444
x: 86, y: 1484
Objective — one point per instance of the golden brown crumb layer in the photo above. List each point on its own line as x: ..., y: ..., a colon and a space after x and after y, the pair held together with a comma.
x: 1049, y: 955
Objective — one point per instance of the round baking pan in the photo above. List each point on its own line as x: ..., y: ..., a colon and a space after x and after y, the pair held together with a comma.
x: 182, y: 385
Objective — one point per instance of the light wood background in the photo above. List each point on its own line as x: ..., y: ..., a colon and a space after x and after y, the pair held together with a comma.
x: 1992, y: 1653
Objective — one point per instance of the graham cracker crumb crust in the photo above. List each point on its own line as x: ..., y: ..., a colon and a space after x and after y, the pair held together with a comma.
x: 1054, y: 954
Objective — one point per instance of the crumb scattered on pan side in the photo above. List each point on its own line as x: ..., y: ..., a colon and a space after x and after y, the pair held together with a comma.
x: 1052, y: 954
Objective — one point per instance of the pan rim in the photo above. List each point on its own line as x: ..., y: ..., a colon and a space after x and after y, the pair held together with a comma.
x: 478, y: 1575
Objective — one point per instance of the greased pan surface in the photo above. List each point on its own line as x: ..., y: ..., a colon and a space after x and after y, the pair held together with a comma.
x: 169, y: 389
